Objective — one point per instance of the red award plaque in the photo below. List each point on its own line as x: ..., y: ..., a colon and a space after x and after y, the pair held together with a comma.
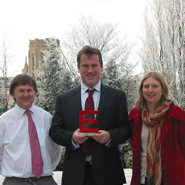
x: 86, y: 124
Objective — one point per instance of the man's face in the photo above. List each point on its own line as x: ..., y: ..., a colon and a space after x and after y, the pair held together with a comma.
x: 90, y: 69
x: 24, y: 96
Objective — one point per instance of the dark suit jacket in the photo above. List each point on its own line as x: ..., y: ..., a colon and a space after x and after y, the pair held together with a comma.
x: 106, y: 163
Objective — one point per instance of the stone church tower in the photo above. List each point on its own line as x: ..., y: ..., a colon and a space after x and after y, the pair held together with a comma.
x: 35, y: 55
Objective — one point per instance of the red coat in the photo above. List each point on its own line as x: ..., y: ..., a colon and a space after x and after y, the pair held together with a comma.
x: 172, y: 146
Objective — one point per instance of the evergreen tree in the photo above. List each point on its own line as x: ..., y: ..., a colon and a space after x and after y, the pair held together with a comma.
x: 76, y: 82
x: 123, y: 78
x: 126, y: 154
x: 50, y: 76
x: 130, y: 84
x: 66, y: 79
x: 111, y: 75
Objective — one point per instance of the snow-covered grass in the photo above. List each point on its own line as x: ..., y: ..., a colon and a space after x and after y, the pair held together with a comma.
x: 57, y: 176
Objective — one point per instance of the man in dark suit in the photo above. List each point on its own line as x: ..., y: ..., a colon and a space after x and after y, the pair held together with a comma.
x: 103, y: 165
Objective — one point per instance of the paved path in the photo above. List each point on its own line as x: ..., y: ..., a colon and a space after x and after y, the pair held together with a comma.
x: 57, y: 176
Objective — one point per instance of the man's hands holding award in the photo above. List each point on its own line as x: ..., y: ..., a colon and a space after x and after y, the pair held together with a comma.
x: 88, y: 127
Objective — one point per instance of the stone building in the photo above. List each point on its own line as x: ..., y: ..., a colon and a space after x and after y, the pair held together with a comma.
x: 31, y: 67
x: 35, y: 55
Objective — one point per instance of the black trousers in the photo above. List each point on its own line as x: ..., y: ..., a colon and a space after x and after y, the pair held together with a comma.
x: 88, y: 179
x: 48, y: 180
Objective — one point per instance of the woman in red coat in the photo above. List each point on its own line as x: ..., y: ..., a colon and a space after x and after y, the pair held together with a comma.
x: 158, y: 135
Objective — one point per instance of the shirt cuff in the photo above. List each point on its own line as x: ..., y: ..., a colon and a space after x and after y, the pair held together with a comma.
x: 75, y: 145
x: 108, y: 143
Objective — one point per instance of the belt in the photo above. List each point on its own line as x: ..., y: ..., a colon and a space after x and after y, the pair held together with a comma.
x: 31, y: 180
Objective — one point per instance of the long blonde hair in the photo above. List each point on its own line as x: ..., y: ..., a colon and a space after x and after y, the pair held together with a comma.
x: 141, y: 102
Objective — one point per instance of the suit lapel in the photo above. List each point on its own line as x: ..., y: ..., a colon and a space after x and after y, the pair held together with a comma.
x: 77, y: 99
x: 103, y: 97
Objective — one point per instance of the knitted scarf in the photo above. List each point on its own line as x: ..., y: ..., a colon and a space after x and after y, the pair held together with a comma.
x: 155, y: 123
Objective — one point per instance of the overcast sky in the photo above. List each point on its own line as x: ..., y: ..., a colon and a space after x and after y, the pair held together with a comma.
x: 25, y: 20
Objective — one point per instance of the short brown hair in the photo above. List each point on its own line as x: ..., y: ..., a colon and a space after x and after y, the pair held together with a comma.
x: 22, y: 79
x: 88, y: 50
x: 141, y: 102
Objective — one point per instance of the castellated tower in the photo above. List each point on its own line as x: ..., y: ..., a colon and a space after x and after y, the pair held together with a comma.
x: 35, y: 55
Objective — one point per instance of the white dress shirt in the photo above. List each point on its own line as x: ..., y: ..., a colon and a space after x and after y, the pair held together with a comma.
x: 15, y: 152
x: 96, y: 95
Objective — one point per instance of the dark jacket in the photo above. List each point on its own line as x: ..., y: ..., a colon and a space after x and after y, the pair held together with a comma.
x: 106, y: 163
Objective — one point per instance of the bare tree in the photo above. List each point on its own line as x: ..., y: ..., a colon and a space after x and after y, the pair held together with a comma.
x: 6, y: 56
x: 103, y: 36
x: 163, y: 44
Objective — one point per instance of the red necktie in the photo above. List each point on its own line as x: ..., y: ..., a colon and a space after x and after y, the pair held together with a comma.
x: 89, y: 105
x: 37, y: 162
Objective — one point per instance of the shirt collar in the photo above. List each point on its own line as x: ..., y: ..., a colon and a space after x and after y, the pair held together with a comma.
x: 21, y: 111
x: 84, y: 88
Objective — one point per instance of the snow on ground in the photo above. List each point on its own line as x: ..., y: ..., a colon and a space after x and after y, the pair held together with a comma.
x: 58, y: 174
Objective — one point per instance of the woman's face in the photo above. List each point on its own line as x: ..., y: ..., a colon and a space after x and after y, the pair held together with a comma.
x: 152, y: 91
